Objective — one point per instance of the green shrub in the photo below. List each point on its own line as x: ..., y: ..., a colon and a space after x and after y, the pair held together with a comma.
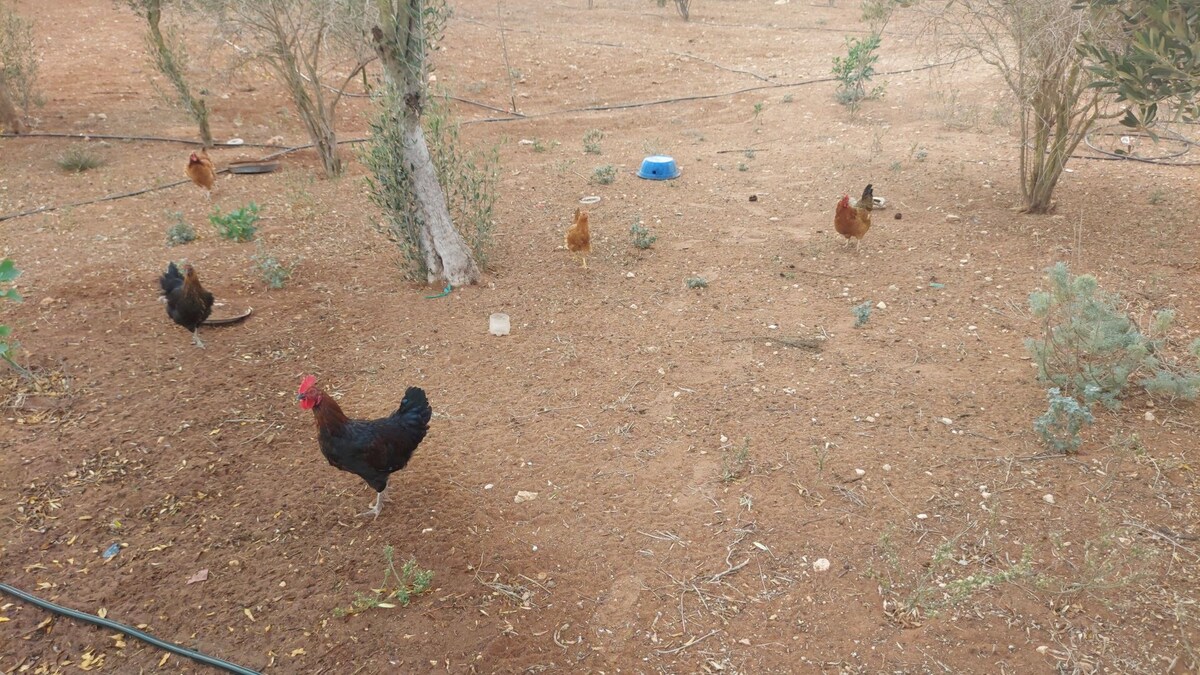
x: 604, y: 175
x: 641, y: 236
x: 78, y: 159
x: 1090, y: 349
x: 180, y: 232
x: 591, y: 141
x: 854, y: 72
x: 1060, y: 425
x: 237, y: 225
x: 861, y: 313
x: 273, y: 273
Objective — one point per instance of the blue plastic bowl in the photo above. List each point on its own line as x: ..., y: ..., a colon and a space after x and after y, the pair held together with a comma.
x: 658, y: 167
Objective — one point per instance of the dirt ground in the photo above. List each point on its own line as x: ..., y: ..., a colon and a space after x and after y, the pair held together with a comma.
x: 729, y: 479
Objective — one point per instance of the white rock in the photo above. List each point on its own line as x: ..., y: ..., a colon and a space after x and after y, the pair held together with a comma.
x: 922, y: 516
x: 887, y: 467
x: 820, y: 565
x: 1149, y: 416
x: 1048, y: 498
x: 860, y: 472
x: 881, y: 305
x: 525, y: 496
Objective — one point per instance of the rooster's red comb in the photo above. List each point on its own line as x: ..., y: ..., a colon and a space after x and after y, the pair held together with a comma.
x: 307, y: 383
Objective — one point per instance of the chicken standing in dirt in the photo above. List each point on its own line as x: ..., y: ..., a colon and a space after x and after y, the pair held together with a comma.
x: 579, y: 238
x: 370, y: 449
x: 852, y: 222
x: 188, y: 304
x: 200, y: 169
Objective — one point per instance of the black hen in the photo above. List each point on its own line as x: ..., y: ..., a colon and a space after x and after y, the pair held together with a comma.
x: 370, y: 449
x: 188, y: 304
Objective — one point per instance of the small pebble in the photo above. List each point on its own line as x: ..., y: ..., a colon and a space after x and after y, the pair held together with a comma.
x: 897, y: 216
x: 820, y: 565
x: 1149, y: 416
x: 1049, y: 499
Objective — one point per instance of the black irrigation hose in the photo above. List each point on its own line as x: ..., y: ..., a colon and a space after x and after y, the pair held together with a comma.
x: 128, y: 630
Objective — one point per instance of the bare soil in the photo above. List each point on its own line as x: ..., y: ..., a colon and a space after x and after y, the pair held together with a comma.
x: 698, y: 454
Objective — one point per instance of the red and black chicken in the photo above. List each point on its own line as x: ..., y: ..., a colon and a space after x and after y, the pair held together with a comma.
x: 370, y: 449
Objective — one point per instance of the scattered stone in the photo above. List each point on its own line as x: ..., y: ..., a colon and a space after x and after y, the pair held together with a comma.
x: 1048, y: 498
x: 525, y: 496
x: 821, y: 565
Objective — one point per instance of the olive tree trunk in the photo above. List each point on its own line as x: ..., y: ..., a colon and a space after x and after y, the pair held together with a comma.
x: 400, y: 42
x: 9, y: 119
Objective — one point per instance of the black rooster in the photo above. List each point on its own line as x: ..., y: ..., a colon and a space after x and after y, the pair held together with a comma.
x: 370, y: 449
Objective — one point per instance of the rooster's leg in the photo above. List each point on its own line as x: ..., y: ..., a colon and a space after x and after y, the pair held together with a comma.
x: 377, y: 507
x: 196, y: 338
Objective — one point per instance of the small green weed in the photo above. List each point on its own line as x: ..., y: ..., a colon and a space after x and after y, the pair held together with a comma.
x: 736, y: 462
x: 696, y: 282
x: 538, y: 146
x: 237, y: 225
x: 399, y: 585
x: 591, y: 141
x: 861, y: 313
x: 180, y: 232
x: 641, y: 236
x: 78, y: 159
x: 1157, y: 197
x: 743, y: 167
x: 1060, y: 425
x: 604, y: 175
x: 270, y: 270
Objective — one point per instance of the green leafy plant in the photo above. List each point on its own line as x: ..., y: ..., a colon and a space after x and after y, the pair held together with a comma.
x: 9, y: 274
x: 78, y: 159
x: 180, y: 232
x: 696, y: 282
x: 855, y: 70
x: 641, y: 236
x: 274, y: 273
x: 1158, y: 59
x: 1091, y: 350
x: 591, y: 141
x: 398, y: 585
x: 604, y: 175
x: 1060, y: 425
x: 237, y: 225
x: 861, y: 313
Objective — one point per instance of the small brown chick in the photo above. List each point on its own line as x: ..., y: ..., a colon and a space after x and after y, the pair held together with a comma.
x: 579, y: 238
x: 200, y: 169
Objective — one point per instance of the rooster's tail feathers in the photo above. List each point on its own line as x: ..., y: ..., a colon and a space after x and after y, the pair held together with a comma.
x: 171, y: 279
x: 415, y: 404
x: 868, y: 197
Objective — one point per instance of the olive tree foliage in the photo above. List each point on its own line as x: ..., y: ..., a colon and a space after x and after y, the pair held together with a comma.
x: 313, y: 47
x: 405, y: 178
x: 18, y: 69
x: 1033, y: 44
x: 1154, y: 59
x: 169, y: 56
